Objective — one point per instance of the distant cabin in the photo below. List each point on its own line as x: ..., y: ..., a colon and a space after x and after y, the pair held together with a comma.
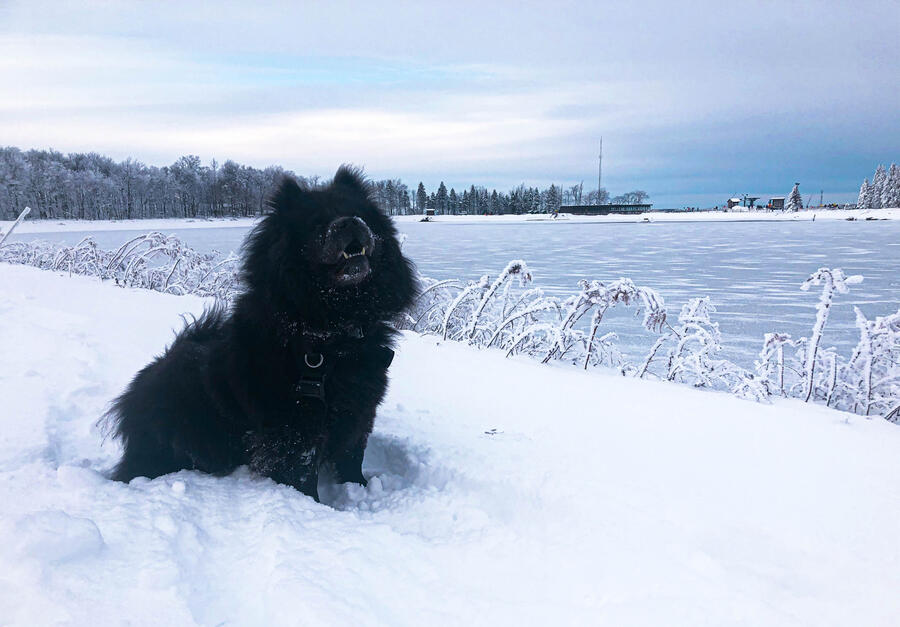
x: 604, y: 209
x: 748, y: 202
x: 776, y: 203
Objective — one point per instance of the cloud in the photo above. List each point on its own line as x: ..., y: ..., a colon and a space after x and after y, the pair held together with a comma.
x: 690, y: 99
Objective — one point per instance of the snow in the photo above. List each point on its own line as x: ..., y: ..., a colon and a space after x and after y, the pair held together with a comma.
x: 501, y: 492
x: 162, y: 224
x: 145, y: 226
x: 738, y: 214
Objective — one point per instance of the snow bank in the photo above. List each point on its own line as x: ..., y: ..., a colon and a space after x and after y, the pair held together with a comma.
x: 152, y: 224
x: 501, y: 492
x: 693, y: 216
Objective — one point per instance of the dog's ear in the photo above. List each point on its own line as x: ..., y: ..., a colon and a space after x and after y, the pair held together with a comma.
x: 352, y: 180
x: 289, y: 195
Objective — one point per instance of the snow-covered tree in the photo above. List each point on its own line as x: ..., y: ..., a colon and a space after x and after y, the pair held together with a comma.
x: 636, y: 197
x: 441, y: 199
x: 551, y: 199
x: 595, y: 197
x: 878, y: 184
x: 421, y: 198
x: 576, y: 192
x: 863, y: 201
x: 890, y: 194
x: 453, y: 202
x: 795, y: 200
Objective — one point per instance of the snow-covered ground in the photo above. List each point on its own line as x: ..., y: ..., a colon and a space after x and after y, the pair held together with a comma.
x: 502, y: 492
x: 693, y: 216
x: 56, y: 226
x: 30, y: 225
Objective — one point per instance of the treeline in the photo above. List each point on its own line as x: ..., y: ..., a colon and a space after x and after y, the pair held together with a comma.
x: 522, y: 199
x: 90, y: 186
x: 883, y: 191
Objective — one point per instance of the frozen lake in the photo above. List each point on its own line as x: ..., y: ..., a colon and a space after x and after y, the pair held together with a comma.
x: 750, y: 271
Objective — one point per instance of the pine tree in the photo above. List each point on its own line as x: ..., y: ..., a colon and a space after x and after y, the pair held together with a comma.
x: 440, y: 199
x: 795, y: 200
x: 453, y: 202
x: 863, y: 201
x: 552, y: 199
x: 390, y: 195
x: 878, y: 184
x: 890, y: 195
x: 421, y: 198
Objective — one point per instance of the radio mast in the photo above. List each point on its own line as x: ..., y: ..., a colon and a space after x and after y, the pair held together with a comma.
x: 600, y: 170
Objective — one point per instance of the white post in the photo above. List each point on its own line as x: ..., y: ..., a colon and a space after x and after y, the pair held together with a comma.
x: 21, y: 217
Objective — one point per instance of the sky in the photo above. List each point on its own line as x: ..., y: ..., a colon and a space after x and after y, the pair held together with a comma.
x: 696, y: 102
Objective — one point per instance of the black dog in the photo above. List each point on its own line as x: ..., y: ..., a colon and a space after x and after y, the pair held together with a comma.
x: 289, y: 379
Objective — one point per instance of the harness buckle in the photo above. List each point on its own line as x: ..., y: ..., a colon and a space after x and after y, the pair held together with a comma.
x: 311, y: 387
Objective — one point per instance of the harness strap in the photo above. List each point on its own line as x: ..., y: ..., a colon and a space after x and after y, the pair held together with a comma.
x: 315, y: 370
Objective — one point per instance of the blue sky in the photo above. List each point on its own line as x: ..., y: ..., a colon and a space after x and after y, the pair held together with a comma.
x: 696, y: 102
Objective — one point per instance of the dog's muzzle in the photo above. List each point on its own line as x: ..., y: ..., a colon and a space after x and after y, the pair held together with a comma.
x: 349, y: 244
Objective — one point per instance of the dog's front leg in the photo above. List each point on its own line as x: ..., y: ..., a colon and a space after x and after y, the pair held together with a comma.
x: 302, y: 473
x: 348, y: 463
x: 287, y: 457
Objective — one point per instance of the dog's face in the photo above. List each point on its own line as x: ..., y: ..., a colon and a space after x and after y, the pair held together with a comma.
x: 329, y: 251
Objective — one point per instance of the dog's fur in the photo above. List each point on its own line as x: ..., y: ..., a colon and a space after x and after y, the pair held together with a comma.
x: 226, y: 392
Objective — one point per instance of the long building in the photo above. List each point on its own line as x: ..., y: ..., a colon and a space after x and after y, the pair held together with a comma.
x: 604, y: 209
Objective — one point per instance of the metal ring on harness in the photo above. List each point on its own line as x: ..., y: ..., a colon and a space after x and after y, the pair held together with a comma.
x: 317, y: 364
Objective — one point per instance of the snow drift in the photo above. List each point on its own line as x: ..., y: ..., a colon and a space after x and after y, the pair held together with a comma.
x: 501, y: 492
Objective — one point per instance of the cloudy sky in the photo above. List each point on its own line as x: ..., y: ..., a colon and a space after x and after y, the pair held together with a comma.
x: 695, y: 101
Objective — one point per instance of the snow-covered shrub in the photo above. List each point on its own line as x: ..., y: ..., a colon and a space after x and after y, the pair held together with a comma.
x: 873, y: 371
x: 773, y: 351
x: 833, y: 282
x: 867, y: 382
x: 152, y: 261
x: 691, y: 358
x: 510, y: 314
x: 600, y: 297
x: 519, y: 319
x: 507, y: 314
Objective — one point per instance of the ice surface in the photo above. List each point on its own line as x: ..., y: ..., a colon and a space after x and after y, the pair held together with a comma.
x: 750, y: 271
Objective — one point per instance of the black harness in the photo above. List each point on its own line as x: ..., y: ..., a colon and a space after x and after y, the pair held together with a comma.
x: 312, y: 380
x: 316, y: 355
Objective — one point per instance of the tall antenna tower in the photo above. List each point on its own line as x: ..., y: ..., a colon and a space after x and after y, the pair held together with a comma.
x: 600, y: 169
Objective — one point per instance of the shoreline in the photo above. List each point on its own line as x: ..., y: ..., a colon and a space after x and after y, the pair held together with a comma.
x: 29, y: 226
